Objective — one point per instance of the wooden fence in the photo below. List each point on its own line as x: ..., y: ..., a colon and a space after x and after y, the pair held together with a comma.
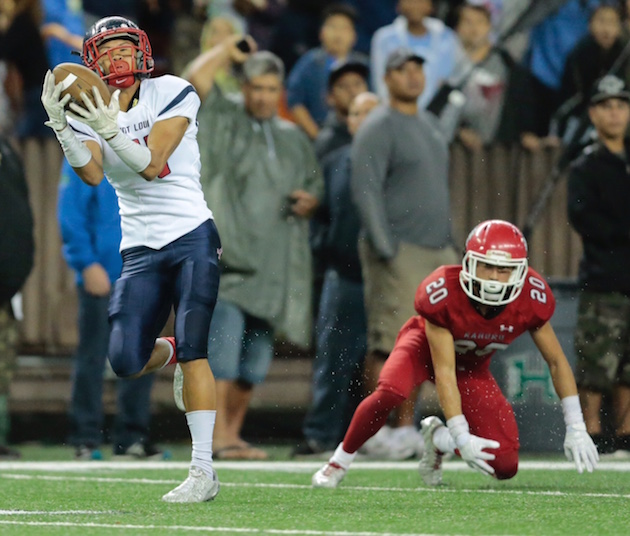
x: 492, y: 183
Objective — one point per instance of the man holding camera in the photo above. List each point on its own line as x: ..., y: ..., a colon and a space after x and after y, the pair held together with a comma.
x: 261, y: 173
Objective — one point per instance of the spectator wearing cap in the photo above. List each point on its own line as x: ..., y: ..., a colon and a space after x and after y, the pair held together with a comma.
x: 346, y: 80
x: 340, y: 330
x: 307, y: 84
x: 428, y: 37
x: 400, y: 187
x: 599, y: 189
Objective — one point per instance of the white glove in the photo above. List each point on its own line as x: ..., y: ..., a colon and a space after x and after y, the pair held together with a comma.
x: 472, y: 452
x: 471, y: 447
x: 102, y: 119
x: 54, y: 107
x: 579, y: 448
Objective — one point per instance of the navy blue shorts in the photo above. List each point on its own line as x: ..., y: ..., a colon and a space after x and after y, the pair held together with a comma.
x: 183, y: 274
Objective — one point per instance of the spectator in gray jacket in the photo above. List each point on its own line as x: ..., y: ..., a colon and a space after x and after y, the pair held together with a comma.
x: 262, y: 175
x: 400, y: 187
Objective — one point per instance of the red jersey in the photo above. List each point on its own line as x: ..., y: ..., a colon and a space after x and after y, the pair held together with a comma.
x: 441, y: 300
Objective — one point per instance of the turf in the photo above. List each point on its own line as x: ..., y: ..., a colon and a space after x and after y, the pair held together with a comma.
x: 61, y: 497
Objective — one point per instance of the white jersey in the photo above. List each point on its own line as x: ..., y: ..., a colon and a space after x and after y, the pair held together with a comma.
x: 155, y: 213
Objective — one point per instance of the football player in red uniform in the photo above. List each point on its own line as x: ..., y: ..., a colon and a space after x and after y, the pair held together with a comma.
x: 465, y: 314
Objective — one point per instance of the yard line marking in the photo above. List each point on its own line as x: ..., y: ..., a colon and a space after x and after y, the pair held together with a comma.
x: 115, y: 480
x: 55, y: 512
x: 210, y: 529
x: 288, y: 466
x: 105, y: 479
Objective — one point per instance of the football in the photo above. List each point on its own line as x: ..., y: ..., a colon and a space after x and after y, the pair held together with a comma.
x: 77, y: 79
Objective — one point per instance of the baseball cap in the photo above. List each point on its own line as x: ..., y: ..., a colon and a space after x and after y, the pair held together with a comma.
x: 400, y: 56
x: 609, y: 87
x: 349, y: 66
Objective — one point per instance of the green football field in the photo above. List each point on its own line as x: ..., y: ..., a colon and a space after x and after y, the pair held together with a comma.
x: 48, y: 493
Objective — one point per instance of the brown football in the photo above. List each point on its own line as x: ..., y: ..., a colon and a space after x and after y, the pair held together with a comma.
x: 77, y: 79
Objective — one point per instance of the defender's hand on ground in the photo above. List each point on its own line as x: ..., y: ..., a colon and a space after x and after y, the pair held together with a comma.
x: 473, y: 453
x: 52, y: 104
x: 579, y: 448
x: 101, y: 118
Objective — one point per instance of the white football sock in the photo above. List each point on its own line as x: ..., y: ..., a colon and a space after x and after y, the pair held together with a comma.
x: 201, y: 425
x: 342, y: 458
x: 443, y: 440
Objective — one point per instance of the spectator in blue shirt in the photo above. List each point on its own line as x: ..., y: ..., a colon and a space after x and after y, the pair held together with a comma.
x: 373, y: 14
x: 90, y: 229
x: 62, y: 30
x: 551, y: 41
x: 307, y: 85
x: 427, y: 37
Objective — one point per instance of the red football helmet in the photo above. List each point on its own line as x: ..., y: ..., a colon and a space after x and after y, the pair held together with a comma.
x: 121, y: 75
x: 497, y: 243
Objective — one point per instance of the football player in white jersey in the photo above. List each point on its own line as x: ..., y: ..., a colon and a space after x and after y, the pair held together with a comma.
x: 145, y: 141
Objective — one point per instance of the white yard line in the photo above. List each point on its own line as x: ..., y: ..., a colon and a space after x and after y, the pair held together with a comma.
x: 286, y: 466
x: 55, y: 512
x: 498, y: 491
x: 237, y: 530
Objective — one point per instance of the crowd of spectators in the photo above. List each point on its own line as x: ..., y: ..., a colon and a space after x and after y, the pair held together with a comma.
x: 491, y: 91
x: 510, y: 93
x: 464, y: 45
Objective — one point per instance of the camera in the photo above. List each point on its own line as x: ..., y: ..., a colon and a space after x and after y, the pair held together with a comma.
x: 243, y: 46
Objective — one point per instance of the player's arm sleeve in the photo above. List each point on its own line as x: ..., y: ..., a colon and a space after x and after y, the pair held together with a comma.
x: 74, y: 210
x: 370, y: 159
x: 589, y: 216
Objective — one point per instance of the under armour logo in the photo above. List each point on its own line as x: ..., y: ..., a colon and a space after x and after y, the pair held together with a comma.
x: 503, y: 327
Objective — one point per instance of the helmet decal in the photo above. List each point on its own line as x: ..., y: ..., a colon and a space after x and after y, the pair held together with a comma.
x: 495, y: 243
x: 120, y: 74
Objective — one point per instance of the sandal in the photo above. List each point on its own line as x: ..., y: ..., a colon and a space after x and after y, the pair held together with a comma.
x: 240, y: 452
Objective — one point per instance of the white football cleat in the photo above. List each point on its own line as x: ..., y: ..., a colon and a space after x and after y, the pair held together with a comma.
x: 198, y: 487
x: 430, y: 467
x: 328, y: 476
x: 178, y: 387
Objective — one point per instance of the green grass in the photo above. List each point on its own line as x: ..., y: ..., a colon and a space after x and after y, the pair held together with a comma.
x: 276, y: 498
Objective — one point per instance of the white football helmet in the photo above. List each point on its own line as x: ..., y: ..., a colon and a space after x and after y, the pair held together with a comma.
x: 498, y: 243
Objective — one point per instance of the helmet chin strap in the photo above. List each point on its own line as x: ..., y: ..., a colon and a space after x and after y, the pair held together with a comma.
x: 125, y: 77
